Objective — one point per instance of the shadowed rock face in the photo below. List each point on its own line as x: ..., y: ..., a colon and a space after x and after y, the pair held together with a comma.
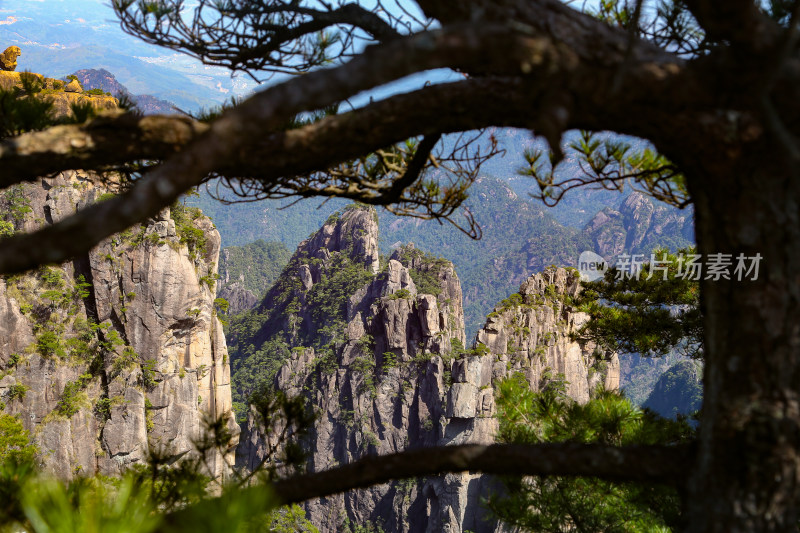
x: 138, y: 358
x: 239, y: 298
x: 402, y: 380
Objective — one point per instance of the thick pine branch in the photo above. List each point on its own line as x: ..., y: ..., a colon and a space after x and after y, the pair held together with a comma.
x: 113, y: 139
x: 251, y: 131
x: 645, y: 464
x: 739, y: 22
x: 240, y: 128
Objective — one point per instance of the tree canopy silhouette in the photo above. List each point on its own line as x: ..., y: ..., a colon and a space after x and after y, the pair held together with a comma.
x: 711, y: 84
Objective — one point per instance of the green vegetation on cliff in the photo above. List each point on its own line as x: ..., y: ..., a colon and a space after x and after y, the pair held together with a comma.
x: 652, y: 313
x: 519, y: 238
x: 259, y: 340
x: 256, y: 265
x: 15, y: 442
x: 583, y: 505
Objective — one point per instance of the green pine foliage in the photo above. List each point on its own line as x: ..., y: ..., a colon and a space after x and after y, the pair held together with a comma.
x: 82, y: 111
x: 327, y: 300
x: 424, y: 269
x: 582, y: 505
x: 29, y: 107
x: 16, y: 204
x: 656, y: 321
x: 648, y: 315
x: 255, y: 359
x: 254, y: 366
x: 15, y: 442
x: 17, y: 391
x: 189, y: 234
x: 143, y: 500
x: 291, y: 520
x: 73, y: 397
x: 20, y: 115
x: 259, y: 340
x: 159, y: 495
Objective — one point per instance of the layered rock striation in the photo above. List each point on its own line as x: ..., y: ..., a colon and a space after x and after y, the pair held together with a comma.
x: 118, y: 353
x: 395, y: 374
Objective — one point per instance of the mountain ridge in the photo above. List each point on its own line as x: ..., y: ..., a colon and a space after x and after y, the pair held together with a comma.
x: 390, y: 371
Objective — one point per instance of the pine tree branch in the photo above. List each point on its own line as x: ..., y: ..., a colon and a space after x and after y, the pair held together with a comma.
x: 416, y: 165
x: 253, y: 36
x: 112, y: 139
x: 594, y: 40
x: 249, y: 131
x: 242, y: 126
x: 645, y: 464
x: 737, y: 21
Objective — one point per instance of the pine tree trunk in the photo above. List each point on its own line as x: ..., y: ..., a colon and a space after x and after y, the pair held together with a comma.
x: 748, y: 466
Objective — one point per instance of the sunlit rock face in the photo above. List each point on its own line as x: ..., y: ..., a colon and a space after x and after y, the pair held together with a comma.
x: 401, y: 378
x: 119, y: 352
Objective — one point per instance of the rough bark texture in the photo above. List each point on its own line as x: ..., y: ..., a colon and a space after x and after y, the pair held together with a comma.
x: 422, y: 390
x: 147, y: 291
x: 749, y: 459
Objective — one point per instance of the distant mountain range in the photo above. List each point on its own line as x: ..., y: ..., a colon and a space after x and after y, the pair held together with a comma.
x: 61, y: 37
x: 520, y: 236
x: 103, y: 79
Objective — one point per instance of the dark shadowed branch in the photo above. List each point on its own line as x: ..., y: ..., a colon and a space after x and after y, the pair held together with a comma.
x: 648, y: 464
x: 230, y: 136
x: 653, y: 464
x: 738, y: 21
x: 251, y: 134
x: 259, y: 37
x: 113, y: 139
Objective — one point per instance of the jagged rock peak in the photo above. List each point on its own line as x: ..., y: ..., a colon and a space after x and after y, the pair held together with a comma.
x: 531, y: 331
x: 637, y: 225
x: 353, y: 232
x: 302, y: 300
x: 551, y: 282
x: 380, y: 384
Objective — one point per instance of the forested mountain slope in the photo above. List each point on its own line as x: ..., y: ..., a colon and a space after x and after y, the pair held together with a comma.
x: 246, y: 272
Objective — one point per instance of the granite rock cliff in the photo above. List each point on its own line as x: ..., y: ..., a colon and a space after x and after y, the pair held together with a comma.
x: 119, y: 352
x: 56, y: 92
x: 397, y: 376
